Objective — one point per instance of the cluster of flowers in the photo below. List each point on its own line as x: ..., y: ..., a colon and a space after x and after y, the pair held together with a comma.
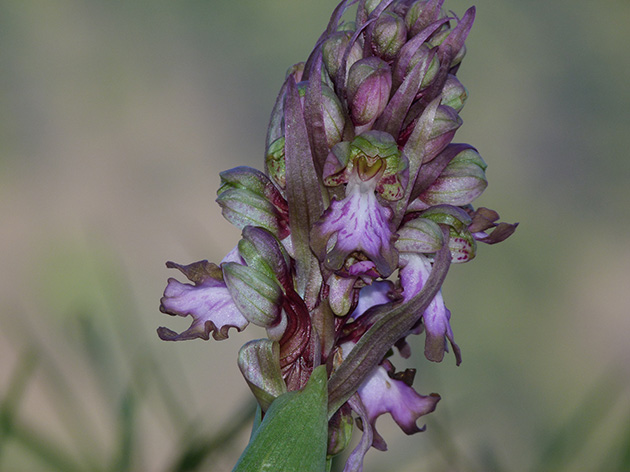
x: 349, y: 233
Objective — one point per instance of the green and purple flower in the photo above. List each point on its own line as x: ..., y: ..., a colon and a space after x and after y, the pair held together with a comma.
x: 349, y: 233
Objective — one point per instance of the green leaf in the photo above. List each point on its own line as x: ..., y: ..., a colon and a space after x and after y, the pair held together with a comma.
x: 293, y: 435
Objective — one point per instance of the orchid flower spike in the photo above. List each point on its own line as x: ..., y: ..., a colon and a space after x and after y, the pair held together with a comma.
x: 349, y: 232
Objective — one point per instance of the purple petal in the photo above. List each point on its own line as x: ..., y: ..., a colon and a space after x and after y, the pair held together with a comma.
x: 355, y: 459
x: 359, y: 223
x: 207, y: 301
x: 413, y: 275
x: 363, y: 269
x: 375, y: 294
x: 381, y: 394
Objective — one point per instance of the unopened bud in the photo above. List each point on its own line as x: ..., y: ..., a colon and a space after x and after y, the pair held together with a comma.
x: 369, y: 84
x: 248, y: 198
x: 334, y: 49
x: 365, y: 8
x: 454, y: 94
x: 445, y: 123
x: 296, y: 70
x: 334, y: 117
x: 462, y: 181
x: 389, y: 35
x: 340, y: 429
x: 259, y: 361
x: 262, y: 251
x: 420, y: 14
x: 340, y: 294
x: 423, y: 55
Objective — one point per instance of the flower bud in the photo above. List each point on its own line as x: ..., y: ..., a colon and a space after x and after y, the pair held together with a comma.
x: 420, y: 14
x: 389, y: 35
x: 454, y: 94
x: 296, y: 70
x: 340, y: 294
x: 340, y: 429
x: 462, y: 181
x: 423, y: 55
x: 368, y: 87
x: 335, y: 47
x: 445, y: 124
x: 334, y: 117
x: 365, y: 8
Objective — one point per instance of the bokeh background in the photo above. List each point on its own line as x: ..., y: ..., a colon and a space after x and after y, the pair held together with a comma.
x: 116, y: 117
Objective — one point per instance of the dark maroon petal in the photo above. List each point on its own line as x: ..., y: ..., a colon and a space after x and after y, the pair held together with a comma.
x: 500, y: 233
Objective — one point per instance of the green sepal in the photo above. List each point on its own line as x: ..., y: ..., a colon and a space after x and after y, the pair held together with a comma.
x: 263, y: 252
x: 420, y: 235
x: 460, y: 182
x: 257, y: 296
x: 448, y: 215
x: 259, y: 361
x: 454, y: 94
x: 248, y: 198
x: 293, y: 434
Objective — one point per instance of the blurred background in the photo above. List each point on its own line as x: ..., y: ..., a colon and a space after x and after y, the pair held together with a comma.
x: 116, y: 117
